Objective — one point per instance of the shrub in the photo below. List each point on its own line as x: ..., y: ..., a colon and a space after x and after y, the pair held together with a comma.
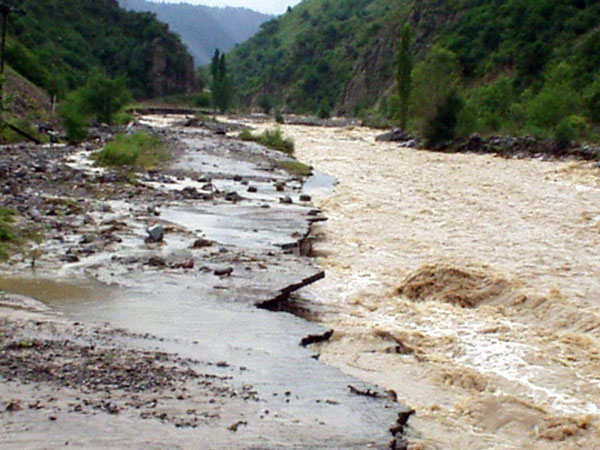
x: 101, y: 98
x: 324, y: 110
x: 8, y: 235
x: 279, y: 117
x: 272, y: 139
x: 295, y: 168
x: 202, y: 100
x: 442, y: 126
x: 138, y: 150
x: 565, y: 133
x: 436, y: 81
x: 72, y: 118
x: 556, y: 101
x: 265, y: 104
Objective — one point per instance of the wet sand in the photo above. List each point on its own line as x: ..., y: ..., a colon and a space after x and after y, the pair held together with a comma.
x: 468, y: 284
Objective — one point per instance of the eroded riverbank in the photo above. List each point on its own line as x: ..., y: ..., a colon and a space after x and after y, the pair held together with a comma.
x: 231, y: 225
x: 469, y: 284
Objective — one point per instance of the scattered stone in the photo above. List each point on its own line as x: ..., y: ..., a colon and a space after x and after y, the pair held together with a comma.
x: 155, y: 233
x: 280, y: 187
x: 238, y: 178
x: 287, y: 200
x: 234, y: 427
x: 396, y: 135
x: 14, y: 406
x: 156, y: 261
x: 316, y: 338
x: 202, y: 243
x: 305, y: 198
x: 224, y: 271
x: 187, y: 264
x: 70, y: 258
x: 233, y: 197
x: 252, y: 189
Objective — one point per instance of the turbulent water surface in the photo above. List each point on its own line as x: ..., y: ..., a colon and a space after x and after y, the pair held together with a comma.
x: 468, y: 284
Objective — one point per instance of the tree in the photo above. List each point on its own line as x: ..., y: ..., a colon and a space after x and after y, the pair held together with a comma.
x: 403, y: 73
x: 222, y: 83
x: 103, y: 97
x: 265, y: 103
x: 435, y: 101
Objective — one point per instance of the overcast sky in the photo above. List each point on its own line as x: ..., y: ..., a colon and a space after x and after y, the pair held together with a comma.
x: 266, y: 6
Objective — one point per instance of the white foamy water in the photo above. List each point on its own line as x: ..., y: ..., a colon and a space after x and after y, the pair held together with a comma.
x: 519, y: 371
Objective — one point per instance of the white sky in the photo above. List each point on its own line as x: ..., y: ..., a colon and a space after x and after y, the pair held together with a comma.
x: 265, y: 6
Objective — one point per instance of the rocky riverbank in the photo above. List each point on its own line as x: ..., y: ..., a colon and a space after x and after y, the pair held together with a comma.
x: 175, y: 261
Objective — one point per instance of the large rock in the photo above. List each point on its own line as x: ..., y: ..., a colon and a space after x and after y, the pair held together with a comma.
x: 396, y: 135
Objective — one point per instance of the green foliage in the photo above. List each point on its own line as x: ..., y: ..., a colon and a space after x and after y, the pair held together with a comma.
x: 265, y: 103
x: 565, y: 133
x: 295, y: 168
x: 279, y: 117
x: 273, y: 139
x: 222, y: 83
x: 505, y: 51
x: 556, y: 101
x: 404, y: 62
x: 135, y: 151
x: 8, y: 234
x: 73, y: 119
x: 101, y: 98
x: 57, y: 43
x: 435, y: 103
x: 442, y: 126
x: 324, y: 110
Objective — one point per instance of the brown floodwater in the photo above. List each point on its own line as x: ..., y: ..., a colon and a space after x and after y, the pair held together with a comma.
x: 469, y: 284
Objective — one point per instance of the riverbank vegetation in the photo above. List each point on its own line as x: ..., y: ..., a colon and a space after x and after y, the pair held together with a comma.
x: 515, y: 67
x: 135, y: 151
x: 8, y: 233
x: 273, y: 139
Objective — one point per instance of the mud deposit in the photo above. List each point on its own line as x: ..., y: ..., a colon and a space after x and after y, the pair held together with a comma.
x: 468, y: 284
x: 132, y: 319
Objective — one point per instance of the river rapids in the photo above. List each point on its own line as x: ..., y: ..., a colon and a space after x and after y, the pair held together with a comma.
x: 468, y: 284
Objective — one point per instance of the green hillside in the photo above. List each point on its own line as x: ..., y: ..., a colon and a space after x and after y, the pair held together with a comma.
x: 525, y: 65
x: 57, y: 44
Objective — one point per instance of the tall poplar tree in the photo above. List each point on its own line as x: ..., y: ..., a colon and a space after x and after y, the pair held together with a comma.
x: 403, y: 73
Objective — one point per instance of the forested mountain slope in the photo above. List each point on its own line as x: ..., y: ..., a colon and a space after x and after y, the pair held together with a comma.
x: 204, y: 28
x: 57, y: 43
x: 342, y: 53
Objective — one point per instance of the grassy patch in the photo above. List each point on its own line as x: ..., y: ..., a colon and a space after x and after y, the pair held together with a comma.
x: 8, y: 234
x: 273, y: 139
x: 295, y: 168
x: 139, y: 150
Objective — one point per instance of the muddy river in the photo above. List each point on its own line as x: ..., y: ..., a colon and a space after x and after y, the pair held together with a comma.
x: 468, y: 284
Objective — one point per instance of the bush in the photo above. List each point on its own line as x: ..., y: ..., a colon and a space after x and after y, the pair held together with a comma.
x: 324, y: 110
x: 73, y: 119
x: 101, y: 98
x: 138, y: 150
x: 272, y: 139
x: 442, y: 126
x: 202, y: 100
x: 265, y: 104
x: 8, y: 234
x: 434, y: 100
x: 279, y: 117
x: 556, y: 101
x: 565, y: 133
